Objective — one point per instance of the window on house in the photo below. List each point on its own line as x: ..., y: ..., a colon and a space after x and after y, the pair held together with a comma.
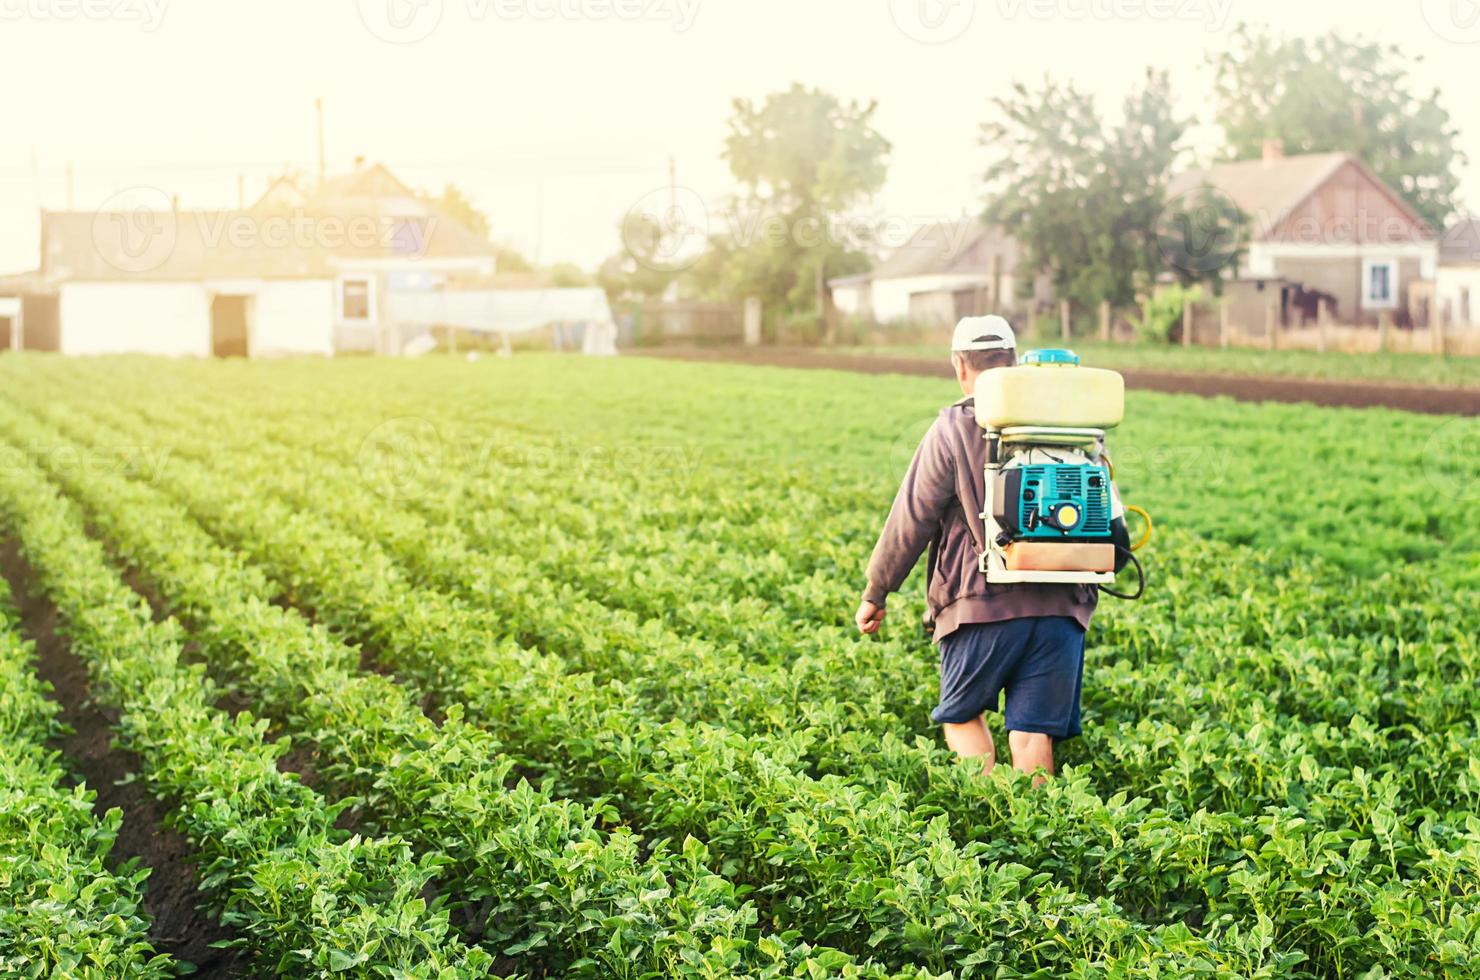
x: 1379, y: 284
x: 354, y: 303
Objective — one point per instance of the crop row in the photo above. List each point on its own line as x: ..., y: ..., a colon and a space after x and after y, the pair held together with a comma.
x: 736, y: 686
x: 1237, y: 695
x: 1366, y: 489
x: 307, y: 899
x: 540, y: 875
x: 64, y: 912
x: 678, y: 556
x: 857, y: 855
x: 1155, y: 831
x: 1250, y: 619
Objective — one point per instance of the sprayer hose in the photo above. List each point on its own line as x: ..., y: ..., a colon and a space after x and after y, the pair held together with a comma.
x: 1146, y: 534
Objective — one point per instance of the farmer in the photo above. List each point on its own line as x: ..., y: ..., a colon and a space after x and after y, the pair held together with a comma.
x: 1025, y: 640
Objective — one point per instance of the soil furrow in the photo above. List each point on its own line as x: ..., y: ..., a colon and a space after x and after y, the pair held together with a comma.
x: 178, y: 924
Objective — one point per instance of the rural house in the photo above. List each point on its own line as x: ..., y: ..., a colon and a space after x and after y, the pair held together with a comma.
x: 947, y: 270
x: 303, y: 270
x: 1323, y: 229
x: 1458, y: 287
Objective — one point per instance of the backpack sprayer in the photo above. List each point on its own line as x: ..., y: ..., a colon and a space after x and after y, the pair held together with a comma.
x: 1052, y: 511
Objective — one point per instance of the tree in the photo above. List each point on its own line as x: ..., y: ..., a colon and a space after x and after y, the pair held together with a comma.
x: 455, y: 204
x: 1331, y: 94
x: 1084, y: 198
x: 568, y: 275
x: 647, y: 262
x: 804, y: 160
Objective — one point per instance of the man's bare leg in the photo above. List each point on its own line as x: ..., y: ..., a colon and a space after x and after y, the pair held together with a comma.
x: 972, y: 741
x: 1031, y: 751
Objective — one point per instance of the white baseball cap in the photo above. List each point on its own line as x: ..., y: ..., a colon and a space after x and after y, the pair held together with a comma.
x: 983, y: 333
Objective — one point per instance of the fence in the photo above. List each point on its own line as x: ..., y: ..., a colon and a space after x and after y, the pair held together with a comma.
x: 681, y: 322
x: 1221, y: 323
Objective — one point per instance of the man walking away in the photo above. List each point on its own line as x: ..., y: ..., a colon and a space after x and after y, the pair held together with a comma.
x: 1024, y: 640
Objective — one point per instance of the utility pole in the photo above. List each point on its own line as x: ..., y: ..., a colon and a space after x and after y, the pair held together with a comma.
x: 318, y: 105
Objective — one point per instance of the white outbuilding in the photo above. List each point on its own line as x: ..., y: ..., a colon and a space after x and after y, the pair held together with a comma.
x: 297, y: 273
x: 1458, y: 284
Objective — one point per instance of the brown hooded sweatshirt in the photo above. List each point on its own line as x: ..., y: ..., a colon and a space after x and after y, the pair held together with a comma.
x: 939, y: 505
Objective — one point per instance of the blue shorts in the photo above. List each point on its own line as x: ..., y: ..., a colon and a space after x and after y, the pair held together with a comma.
x: 1038, y: 661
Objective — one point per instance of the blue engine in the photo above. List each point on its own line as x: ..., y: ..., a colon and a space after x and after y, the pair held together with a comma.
x: 1053, y: 502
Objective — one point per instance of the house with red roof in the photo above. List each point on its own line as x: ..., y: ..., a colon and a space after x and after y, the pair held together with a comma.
x: 1323, y: 229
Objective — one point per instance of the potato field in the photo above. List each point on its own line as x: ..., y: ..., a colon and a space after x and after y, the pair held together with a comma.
x: 545, y: 666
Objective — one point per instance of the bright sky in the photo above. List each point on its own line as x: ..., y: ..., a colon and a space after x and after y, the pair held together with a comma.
x: 558, y: 116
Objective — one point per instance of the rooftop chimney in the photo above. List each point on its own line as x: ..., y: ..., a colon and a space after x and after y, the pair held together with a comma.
x: 1274, y: 149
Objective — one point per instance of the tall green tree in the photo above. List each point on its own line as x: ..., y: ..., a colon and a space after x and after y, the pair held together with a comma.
x: 1329, y: 94
x: 804, y: 160
x: 1082, y: 196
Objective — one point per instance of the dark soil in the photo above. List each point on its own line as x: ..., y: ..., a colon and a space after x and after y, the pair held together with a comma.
x: 1248, y: 388
x: 172, y: 900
